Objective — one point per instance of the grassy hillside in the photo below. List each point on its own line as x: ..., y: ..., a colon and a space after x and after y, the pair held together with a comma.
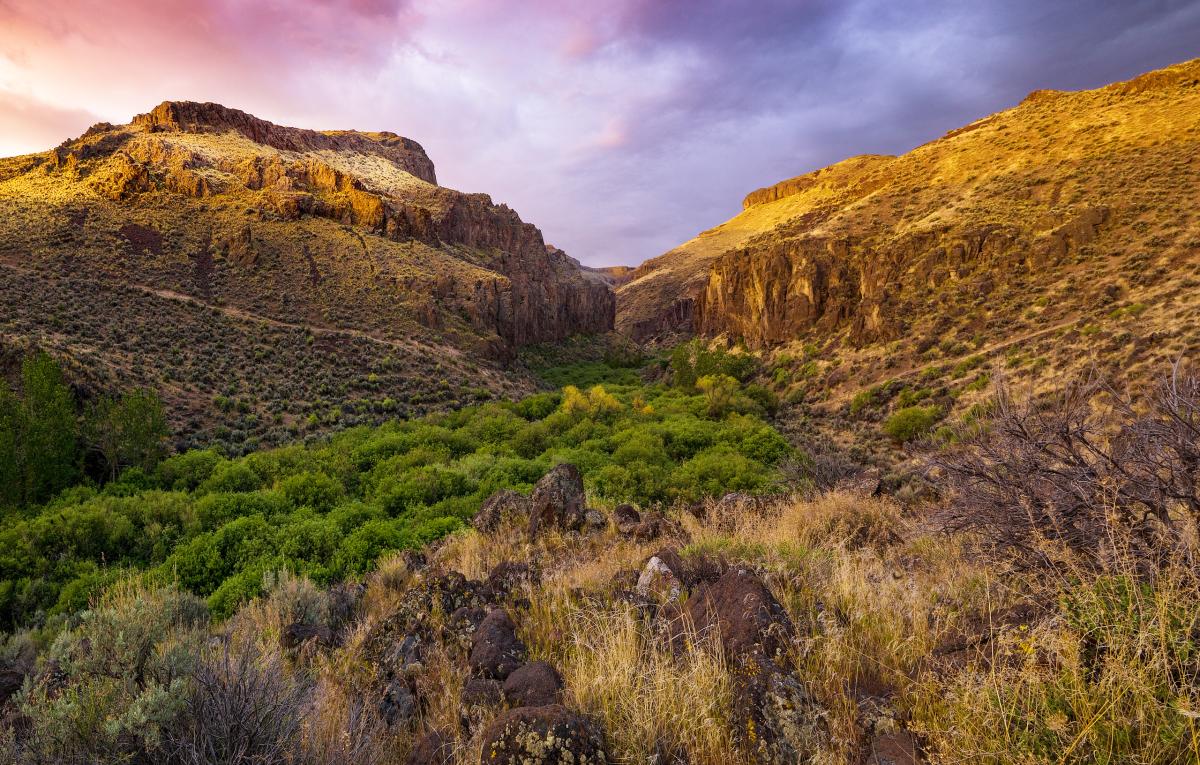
x: 1035, y: 242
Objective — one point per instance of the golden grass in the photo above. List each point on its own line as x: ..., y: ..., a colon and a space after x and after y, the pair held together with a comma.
x: 898, y: 628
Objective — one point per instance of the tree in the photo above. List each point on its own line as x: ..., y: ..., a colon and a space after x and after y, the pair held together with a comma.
x: 47, y: 430
x: 128, y: 432
x: 11, y: 468
x: 718, y: 391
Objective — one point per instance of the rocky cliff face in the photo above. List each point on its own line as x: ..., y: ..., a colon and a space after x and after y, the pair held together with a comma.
x: 334, y: 228
x: 1069, y: 194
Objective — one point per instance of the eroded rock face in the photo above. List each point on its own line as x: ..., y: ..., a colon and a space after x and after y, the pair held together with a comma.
x: 541, y: 736
x: 780, y: 287
x: 192, y: 117
x: 484, y: 264
x: 879, y: 249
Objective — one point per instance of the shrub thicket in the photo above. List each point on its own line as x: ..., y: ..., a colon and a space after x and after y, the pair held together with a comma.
x: 329, y: 510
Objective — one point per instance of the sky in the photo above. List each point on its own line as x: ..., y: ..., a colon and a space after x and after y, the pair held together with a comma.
x: 620, y: 127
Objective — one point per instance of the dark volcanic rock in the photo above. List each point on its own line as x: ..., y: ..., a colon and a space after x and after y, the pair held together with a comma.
x: 399, y: 705
x: 496, y: 650
x: 533, y: 685
x: 10, y: 682
x: 774, y: 715
x: 558, y: 501
x: 296, y: 635
x: 506, y: 577
x: 543, y: 735
x: 434, y: 748
x: 626, y: 518
x: 749, y: 618
x: 503, y: 506
x: 479, y: 700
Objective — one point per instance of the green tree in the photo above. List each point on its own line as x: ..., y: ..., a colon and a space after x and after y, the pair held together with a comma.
x: 128, y: 432
x: 48, y: 435
x: 11, y: 469
x: 718, y: 392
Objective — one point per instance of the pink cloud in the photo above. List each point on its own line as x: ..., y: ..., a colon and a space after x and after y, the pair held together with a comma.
x: 27, y: 125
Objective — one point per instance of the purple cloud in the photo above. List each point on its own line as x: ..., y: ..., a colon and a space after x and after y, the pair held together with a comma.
x: 620, y: 128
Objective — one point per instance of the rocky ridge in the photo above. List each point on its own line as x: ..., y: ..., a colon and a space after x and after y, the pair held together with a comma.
x: 347, y: 229
x: 1057, y: 207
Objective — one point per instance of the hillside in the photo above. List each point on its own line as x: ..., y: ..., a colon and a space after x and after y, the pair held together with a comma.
x: 134, y: 239
x: 1059, y: 231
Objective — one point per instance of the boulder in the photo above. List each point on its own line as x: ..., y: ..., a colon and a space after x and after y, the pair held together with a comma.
x: 504, y: 506
x: 460, y: 626
x: 594, y: 520
x: 774, y: 715
x: 558, y: 501
x: 482, y: 692
x: 541, y: 736
x: 627, y: 518
x: 506, y: 577
x: 749, y: 619
x: 399, y: 706
x: 11, y: 681
x: 496, y: 651
x: 407, y: 657
x: 480, y: 698
x: 533, y: 685
x: 667, y: 575
x: 434, y: 748
x: 297, y: 634
x: 658, y: 580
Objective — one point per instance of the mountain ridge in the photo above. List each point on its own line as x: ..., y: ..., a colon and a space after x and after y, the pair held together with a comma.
x: 337, y: 231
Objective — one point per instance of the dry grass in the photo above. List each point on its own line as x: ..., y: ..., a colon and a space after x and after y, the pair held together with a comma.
x: 900, y: 632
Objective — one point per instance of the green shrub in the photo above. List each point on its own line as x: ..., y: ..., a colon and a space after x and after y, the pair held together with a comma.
x: 124, y: 678
x: 315, y: 490
x: 911, y: 422
x: 334, y: 506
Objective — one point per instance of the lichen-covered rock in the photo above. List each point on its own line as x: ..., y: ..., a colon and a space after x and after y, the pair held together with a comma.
x: 749, y: 619
x: 533, y: 685
x: 659, y: 581
x: 774, y: 716
x: 496, y: 650
x: 506, y: 577
x: 547, y: 735
x: 558, y: 501
x: 594, y: 520
x: 399, y: 705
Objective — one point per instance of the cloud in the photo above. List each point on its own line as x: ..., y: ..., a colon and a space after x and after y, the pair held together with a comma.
x: 28, y: 125
x: 620, y: 128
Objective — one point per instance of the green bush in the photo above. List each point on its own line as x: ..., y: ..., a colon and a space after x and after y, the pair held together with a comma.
x: 911, y: 422
x: 329, y: 508
x: 124, y: 677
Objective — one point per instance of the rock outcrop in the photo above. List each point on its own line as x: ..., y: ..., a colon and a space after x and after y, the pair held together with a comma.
x: 328, y: 228
x: 1065, y: 184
